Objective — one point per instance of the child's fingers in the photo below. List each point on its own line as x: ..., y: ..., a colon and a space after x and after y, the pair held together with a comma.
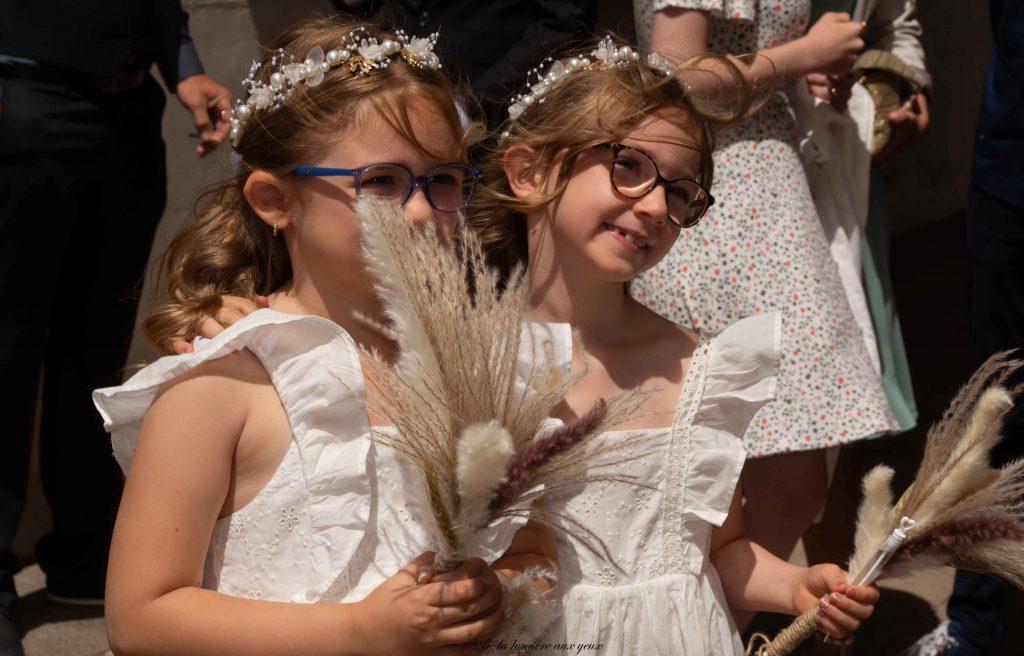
x: 828, y: 606
x: 468, y: 569
x: 458, y: 592
x: 474, y: 629
x: 227, y: 316
x: 479, y: 607
x: 209, y: 328
x: 244, y: 305
x: 867, y: 595
x: 828, y: 622
x: 855, y: 609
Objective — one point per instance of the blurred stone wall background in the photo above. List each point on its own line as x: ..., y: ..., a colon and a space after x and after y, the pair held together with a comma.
x: 926, y: 183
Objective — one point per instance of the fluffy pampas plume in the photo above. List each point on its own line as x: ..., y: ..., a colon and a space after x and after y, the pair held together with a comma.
x: 482, y: 455
x: 959, y: 511
x: 464, y: 410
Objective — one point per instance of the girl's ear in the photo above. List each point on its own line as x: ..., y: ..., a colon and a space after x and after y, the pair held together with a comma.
x: 269, y: 196
x: 523, y: 171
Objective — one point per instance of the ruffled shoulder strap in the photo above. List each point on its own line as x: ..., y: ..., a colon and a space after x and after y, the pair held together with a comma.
x: 286, y: 344
x: 741, y: 373
x: 544, y: 342
x: 314, y: 365
x: 739, y: 377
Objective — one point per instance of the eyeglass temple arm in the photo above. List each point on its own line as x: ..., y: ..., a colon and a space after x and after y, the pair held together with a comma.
x: 321, y: 171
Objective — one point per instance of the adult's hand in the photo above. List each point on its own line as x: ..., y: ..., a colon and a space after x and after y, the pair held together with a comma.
x: 908, y: 123
x: 833, y: 89
x: 834, y: 43
x: 207, y: 100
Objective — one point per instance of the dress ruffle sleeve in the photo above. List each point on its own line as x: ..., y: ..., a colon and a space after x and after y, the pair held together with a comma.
x: 314, y: 365
x: 544, y: 342
x: 740, y: 378
x: 731, y: 9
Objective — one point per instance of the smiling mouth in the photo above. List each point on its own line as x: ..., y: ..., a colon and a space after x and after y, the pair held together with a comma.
x: 628, y: 236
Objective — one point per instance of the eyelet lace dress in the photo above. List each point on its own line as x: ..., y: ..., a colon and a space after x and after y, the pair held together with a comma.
x: 662, y: 595
x: 337, y: 517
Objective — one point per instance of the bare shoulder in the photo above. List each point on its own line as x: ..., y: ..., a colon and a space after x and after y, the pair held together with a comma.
x: 212, y: 400
x: 660, y: 335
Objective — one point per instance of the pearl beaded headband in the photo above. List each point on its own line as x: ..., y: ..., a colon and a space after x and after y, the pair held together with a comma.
x: 361, y: 58
x: 606, y: 56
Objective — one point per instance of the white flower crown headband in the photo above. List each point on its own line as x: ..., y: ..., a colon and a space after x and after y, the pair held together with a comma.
x: 361, y: 56
x: 606, y: 56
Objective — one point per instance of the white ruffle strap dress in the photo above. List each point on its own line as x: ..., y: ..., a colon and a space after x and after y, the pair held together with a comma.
x: 338, y: 517
x: 667, y: 599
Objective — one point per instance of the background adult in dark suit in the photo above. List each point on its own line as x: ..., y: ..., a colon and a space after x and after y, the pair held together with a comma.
x: 490, y: 43
x: 995, y: 244
x: 978, y: 608
x: 82, y: 188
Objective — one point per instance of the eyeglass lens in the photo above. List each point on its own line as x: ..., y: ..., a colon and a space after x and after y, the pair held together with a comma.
x: 634, y: 174
x: 448, y: 188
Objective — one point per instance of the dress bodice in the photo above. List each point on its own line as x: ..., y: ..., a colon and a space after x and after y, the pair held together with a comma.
x: 653, y: 533
x: 336, y: 518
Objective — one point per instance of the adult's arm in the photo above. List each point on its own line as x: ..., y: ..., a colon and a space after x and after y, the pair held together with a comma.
x: 893, y: 26
x: 830, y: 46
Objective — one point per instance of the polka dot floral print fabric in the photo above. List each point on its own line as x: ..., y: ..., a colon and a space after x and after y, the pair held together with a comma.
x: 761, y: 248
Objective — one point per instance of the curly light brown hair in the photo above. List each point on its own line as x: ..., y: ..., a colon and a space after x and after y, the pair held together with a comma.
x: 591, y: 107
x: 226, y: 249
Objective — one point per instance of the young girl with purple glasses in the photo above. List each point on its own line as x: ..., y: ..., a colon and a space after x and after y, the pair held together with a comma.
x: 255, y: 494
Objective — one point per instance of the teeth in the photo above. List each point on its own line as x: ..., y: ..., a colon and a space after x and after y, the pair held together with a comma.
x: 630, y: 238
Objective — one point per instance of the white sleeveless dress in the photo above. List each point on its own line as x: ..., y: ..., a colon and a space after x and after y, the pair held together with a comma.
x: 667, y: 600
x: 337, y: 518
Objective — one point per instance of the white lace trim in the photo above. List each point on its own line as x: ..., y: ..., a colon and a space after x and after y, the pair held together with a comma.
x: 674, y: 541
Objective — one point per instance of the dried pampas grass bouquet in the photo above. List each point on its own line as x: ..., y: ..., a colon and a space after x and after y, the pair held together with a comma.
x: 465, y: 411
x: 958, y: 512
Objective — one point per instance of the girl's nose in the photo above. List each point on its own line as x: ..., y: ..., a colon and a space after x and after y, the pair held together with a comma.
x: 417, y: 209
x: 653, y: 206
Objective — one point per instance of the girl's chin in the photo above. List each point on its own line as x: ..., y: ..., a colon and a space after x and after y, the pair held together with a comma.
x: 618, y: 272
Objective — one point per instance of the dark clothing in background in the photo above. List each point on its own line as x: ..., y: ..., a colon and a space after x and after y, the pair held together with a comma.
x: 82, y: 189
x: 995, y: 245
x: 101, y: 38
x: 998, y: 166
x: 490, y: 43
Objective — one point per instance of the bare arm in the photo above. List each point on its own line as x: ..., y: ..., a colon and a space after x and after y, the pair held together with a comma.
x: 754, y: 579
x: 893, y: 26
x: 177, y: 486
x: 830, y: 47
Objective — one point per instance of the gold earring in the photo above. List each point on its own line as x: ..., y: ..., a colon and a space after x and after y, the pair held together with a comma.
x: 275, y: 228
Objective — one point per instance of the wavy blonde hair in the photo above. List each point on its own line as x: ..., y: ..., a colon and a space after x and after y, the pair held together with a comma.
x: 589, y: 108
x: 226, y: 249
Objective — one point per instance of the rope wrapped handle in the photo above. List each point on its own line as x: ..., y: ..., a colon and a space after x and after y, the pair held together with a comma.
x: 802, y: 628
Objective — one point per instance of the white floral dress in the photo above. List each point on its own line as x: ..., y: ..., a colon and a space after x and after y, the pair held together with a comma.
x: 761, y: 248
x: 660, y: 595
x: 337, y: 517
